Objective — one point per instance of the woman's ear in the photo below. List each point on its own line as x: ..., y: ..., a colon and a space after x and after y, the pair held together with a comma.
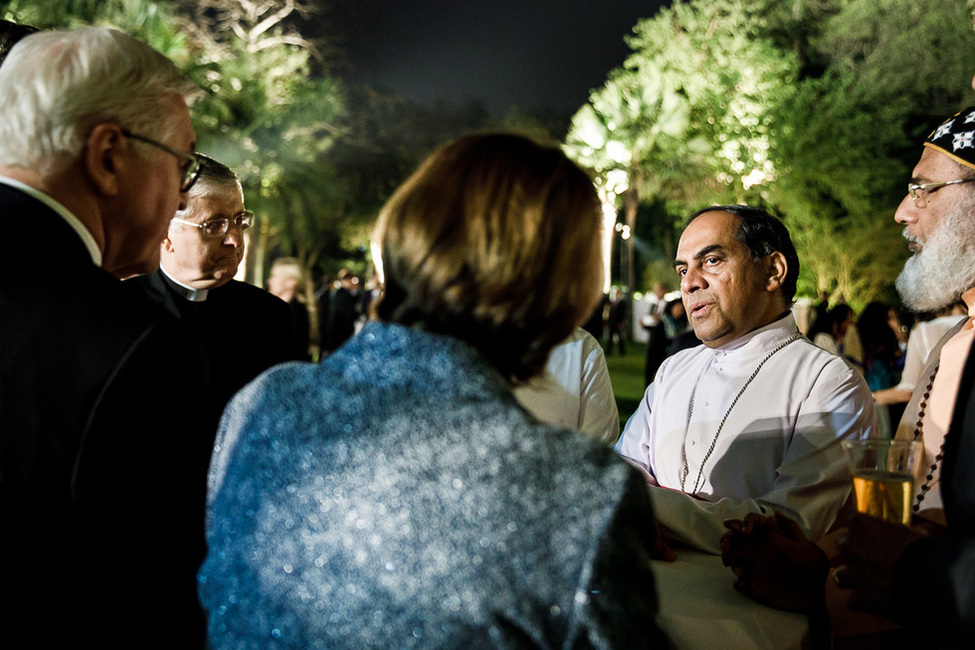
x: 103, y: 157
x: 777, y: 270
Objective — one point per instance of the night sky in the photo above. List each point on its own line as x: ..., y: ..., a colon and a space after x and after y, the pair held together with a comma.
x: 529, y: 54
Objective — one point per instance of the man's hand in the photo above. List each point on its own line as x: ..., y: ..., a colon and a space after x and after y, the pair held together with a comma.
x: 870, y: 551
x: 775, y: 564
x: 661, y: 549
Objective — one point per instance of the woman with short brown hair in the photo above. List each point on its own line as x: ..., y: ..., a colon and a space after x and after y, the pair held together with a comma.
x: 396, y: 494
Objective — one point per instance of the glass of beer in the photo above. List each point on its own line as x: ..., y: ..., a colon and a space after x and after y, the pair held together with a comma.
x: 883, y: 477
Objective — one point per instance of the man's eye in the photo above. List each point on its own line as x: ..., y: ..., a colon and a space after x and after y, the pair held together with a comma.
x: 681, y: 272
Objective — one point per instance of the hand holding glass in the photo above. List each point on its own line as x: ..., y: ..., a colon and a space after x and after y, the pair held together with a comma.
x: 883, y: 477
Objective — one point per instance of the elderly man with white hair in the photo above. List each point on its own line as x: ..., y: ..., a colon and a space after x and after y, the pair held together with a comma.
x: 105, y: 420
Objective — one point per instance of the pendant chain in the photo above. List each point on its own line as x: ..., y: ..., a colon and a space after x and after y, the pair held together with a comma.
x: 919, y: 435
x: 714, y: 440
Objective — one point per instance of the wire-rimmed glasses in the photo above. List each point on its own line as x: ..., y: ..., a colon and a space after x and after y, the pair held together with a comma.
x: 919, y: 192
x: 190, y: 166
x: 220, y: 227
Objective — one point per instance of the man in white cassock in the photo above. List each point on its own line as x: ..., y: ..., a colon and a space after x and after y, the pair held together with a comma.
x: 750, y: 422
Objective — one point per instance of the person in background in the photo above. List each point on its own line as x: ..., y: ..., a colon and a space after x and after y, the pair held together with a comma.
x: 922, y: 342
x: 616, y: 321
x: 105, y: 418
x: 655, y: 324
x: 575, y: 390
x: 322, y: 298
x: 851, y: 347
x: 287, y: 283
x: 596, y: 323
x: 244, y: 329
x: 829, y: 331
x: 683, y: 336
x: 882, y: 358
x: 822, y: 307
x: 396, y: 491
x: 752, y: 420
x: 367, y: 296
x: 881, y: 351
x: 342, y: 310
x: 901, y: 321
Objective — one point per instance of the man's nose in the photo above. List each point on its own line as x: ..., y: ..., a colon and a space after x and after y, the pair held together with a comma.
x: 691, y: 281
x: 234, y: 236
x: 906, y: 212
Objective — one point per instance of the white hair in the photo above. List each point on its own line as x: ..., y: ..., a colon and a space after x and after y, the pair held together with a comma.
x: 55, y: 86
x: 942, y: 270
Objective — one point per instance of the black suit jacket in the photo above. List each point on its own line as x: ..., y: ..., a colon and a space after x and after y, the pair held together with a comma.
x: 244, y: 329
x: 340, y: 320
x: 104, y: 445
x: 935, y: 579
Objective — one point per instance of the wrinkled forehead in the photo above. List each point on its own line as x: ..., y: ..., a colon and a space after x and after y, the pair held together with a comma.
x: 936, y: 166
x: 716, y: 228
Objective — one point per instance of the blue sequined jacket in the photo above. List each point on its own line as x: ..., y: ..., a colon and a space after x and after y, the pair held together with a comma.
x: 397, y: 496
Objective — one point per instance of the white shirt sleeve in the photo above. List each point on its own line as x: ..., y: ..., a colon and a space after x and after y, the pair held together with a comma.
x: 598, y: 414
x: 634, y: 444
x: 914, y: 361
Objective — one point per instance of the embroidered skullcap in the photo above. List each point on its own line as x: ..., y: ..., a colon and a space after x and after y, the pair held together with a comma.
x: 956, y: 137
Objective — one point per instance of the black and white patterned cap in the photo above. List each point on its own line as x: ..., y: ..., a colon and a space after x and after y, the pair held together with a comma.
x: 956, y: 137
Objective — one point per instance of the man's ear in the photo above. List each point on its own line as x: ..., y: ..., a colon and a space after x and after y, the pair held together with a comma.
x: 167, y: 245
x: 104, y: 157
x: 777, y: 270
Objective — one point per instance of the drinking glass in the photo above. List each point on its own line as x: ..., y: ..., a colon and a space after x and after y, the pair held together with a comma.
x: 884, y: 472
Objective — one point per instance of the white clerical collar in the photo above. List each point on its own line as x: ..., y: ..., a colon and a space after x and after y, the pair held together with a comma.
x: 191, y: 294
x: 767, y: 336
x: 86, y: 237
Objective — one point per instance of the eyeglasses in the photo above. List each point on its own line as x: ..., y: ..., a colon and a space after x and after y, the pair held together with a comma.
x: 919, y: 192
x: 220, y: 227
x: 191, y: 162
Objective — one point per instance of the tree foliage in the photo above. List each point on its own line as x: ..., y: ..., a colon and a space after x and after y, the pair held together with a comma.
x: 269, y: 109
x: 686, y: 115
x: 809, y: 108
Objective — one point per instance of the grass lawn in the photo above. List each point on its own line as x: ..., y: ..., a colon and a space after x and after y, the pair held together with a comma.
x: 626, y: 374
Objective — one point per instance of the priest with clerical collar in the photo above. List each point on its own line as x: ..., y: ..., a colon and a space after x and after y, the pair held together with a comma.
x: 750, y: 422
x: 245, y: 330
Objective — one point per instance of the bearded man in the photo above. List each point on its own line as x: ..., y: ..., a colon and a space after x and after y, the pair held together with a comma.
x: 940, y: 228
x: 920, y: 576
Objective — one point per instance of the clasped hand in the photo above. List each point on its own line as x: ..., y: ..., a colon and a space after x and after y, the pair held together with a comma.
x: 774, y: 563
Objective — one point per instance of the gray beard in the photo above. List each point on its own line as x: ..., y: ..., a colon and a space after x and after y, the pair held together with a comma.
x: 944, y: 268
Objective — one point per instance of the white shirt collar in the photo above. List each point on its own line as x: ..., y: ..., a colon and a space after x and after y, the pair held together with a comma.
x: 86, y: 237
x: 766, y: 337
x: 191, y: 294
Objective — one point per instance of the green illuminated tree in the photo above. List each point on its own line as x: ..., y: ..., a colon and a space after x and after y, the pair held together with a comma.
x: 270, y: 109
x: 880, y: 75
x: 809, y: 108
x: 686, y: 116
